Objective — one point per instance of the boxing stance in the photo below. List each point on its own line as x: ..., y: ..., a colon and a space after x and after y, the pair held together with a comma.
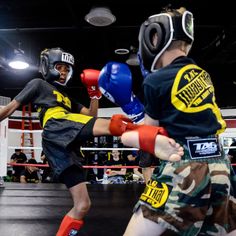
x: 195, y: 196
x: 67, y: 124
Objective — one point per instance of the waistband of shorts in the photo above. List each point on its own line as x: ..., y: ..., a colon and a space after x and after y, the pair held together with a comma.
x: 188, y: 142
x: 53, y: 112
x: 184, y: 140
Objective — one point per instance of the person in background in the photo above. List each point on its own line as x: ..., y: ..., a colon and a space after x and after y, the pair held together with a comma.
x: 116, y: 175
x: 18, y: 157
x: 31, y: 173
x: 67, y: 124
x: 147, y: 162
x: 88, y: 159
x: 47, y: 174
x: 103, y: 157
x: 132, y: 159
x: 196, y: 195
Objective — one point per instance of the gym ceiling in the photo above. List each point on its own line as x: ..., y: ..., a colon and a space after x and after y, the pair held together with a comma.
x: 34, y: 25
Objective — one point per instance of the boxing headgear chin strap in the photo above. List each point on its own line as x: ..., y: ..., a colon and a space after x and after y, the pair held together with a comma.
x: 166, y: 28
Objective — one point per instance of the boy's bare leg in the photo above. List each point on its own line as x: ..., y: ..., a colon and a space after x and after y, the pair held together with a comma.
x: 232, y: 233
x: 165, y: 148
x: 140, y: 226
x: 101, y: 127
x: 147, y: 173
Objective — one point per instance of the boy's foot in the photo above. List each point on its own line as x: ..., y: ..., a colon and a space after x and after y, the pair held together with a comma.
x: 167, y: 149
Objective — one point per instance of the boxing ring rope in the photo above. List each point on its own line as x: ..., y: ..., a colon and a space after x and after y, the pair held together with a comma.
x: 93, y: 149
x: 107, y: 149
x: 24, y: 148
x: 85, y: 166
x: 82, y: 148
x: 89, y: 166
x: 4, y: 129
x: 24, y: 131
x: 87, y: 149
x: 5, y: 141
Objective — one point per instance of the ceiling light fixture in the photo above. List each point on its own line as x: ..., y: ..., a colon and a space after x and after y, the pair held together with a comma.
x: 122, y: 51
x: 19, y: 61
x: 133, y: 60
x: 133, y: 57
x: 100, y: 16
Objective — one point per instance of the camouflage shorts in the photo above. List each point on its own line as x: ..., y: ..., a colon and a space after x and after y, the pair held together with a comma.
x: 192, y: 198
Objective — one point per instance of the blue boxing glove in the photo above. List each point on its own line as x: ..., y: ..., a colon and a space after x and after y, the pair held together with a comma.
x: 115, y: 83
x: 144, y: 71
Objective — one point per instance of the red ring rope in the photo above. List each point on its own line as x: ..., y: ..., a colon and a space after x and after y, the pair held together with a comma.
x: 98, y: 167
x: 88, y: 167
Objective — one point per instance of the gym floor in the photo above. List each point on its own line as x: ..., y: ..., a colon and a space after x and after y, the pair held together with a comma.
x: 37, y: 209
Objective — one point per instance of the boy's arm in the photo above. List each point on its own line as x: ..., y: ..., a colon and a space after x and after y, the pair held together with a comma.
x: 8, y: 109
x: 89, y: 78
x: 93, y: 108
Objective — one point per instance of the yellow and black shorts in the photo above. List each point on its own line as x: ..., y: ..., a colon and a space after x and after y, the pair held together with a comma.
x: 63, y: 134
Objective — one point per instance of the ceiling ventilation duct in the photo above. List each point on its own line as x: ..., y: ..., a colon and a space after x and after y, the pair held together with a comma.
x: 100, y: 16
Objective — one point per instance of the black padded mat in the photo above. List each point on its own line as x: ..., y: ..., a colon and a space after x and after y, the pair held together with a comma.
x: 37, y: 209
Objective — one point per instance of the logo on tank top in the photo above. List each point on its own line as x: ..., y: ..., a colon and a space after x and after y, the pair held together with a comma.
x: 192, y: 90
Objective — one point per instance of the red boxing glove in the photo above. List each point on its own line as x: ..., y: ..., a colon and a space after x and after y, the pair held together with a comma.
x: 119, y: 124
x: 89, y: 78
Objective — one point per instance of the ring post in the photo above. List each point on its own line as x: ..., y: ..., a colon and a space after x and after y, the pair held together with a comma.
x: 3, y: 147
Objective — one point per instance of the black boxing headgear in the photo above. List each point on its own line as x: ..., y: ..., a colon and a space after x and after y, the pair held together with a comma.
x: 48, y: 60
x: 166, y: 28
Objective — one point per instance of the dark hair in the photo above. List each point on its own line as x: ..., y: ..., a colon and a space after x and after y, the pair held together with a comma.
x: 32, y: 161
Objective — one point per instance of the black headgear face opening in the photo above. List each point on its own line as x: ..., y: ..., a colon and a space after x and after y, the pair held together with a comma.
x: 167, y: 29
x: 48, y: 60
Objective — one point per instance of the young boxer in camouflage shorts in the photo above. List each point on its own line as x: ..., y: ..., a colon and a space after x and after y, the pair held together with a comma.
x: 196, y: 195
